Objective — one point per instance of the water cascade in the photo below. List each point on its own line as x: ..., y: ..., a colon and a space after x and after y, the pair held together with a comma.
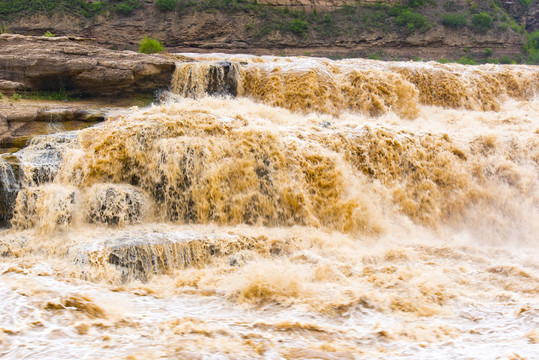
x: 279, y: 208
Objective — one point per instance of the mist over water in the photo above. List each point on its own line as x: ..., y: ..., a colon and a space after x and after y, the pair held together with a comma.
x: 284, y: 208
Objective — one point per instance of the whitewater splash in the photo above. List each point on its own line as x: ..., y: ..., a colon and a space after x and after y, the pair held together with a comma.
x: 321, y: 209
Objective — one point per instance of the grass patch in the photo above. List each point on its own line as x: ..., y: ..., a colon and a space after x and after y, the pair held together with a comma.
x: 59, y: 95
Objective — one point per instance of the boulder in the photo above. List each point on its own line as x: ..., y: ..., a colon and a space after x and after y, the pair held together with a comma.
x: 79, y: 67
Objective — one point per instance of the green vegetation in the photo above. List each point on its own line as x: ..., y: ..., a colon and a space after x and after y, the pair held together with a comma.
x: 10, y: 9
x: 16, y: 97
x: 531, y: 48
x: 1, y: 95
x: 503, y: 26
x: 506, y: 60
x: 49, y: 34
x: 453, y: 20
x: 491, y: 61
x: 482, y: 22
x: 299, y: 27
x: 150, y: 46
x: 487, y: 52
x: 467, y: 60
x: 412, y: 20
x: 60, y: 95
x: 415, y: 3
x: 166, y: 5
x: 342, y: 23
x: 525, y: 3
x: 127, y: 6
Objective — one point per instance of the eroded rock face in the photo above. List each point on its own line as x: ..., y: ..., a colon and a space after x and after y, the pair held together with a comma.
x: 78, y: 66
x: 532, y: 17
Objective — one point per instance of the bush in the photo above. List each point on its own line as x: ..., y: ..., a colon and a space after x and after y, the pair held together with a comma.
x: 487, y: 52
x: 413, y: 21
x: 299, y: 27
x: 397, y: 9
x: 482, y: 22
x: 1, y: 95
x: 124, y: 9
x: 166, y: 5
x: 415, y: 3
x: 150, y: 46
x: 96, y: 6
x: 492, y: 61
x: 503, y: 26
x: 467, y: 60
x: 453, y: 20
x: 48, y: 34
x: 506, y: 60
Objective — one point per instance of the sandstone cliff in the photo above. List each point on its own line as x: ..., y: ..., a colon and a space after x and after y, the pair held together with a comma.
x: 366, y: 29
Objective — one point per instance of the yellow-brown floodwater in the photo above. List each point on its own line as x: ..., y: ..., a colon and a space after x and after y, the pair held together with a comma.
x: 349, y: 209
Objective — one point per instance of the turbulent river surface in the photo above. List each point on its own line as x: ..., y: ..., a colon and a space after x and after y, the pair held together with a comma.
x: 283, y: 208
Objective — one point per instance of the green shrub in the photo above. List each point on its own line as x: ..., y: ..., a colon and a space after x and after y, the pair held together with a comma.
x: 467, y: 60
x: 413, y: 21
x: 443, y: 61
x: 124, y: 9
x: 1, y: 95
x: 299, y: 27
x: 96, y: 6
x: 453, y: 20
x: 397, y: 9
x: 482, y: 22
x: 150, y: 46
x: 415, y: 3
x: 166, y: 5
x: 503, y: 26
x: 506, y: 60
x: 48, y: 34
x: 492, y: 61
x: 16, y: 97
x: 487, y: 52
x: 525, y: 3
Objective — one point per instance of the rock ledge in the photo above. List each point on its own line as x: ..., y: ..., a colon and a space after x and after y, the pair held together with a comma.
x: 78, y: 66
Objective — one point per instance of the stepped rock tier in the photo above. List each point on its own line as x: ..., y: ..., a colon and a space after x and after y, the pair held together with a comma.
x: 78, y: 66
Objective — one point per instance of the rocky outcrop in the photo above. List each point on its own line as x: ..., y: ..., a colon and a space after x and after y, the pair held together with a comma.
x: 21, y: 120
x: 532, y: 17
x: 78, y: 66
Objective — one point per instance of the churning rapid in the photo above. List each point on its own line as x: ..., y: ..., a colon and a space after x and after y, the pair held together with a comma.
x: 283, y: 208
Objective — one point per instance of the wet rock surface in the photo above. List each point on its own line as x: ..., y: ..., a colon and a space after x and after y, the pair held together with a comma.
x: 33, y: 166
x: 78, y: 66
x: 116, y: 204
x: 19, y: 122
